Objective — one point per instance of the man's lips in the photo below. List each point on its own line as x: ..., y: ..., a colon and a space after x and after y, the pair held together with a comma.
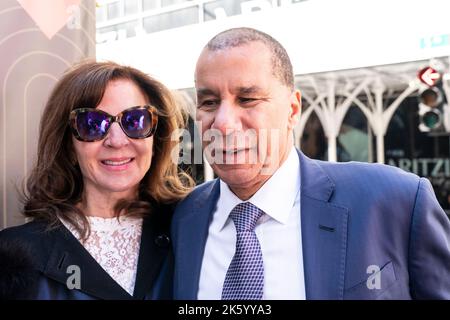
x: 232, y: 151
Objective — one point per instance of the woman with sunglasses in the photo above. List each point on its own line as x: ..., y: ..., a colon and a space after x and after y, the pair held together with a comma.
x: 101, y: 194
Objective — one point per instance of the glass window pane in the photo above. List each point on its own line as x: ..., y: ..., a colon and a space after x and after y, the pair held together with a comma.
x: 286, y: 2
x: 166, y: 3
x: 131, y: 7
x: 353, y: 139
x: 127, y: 30
x: 423, y: 153
x: 114, y: 10
x: 314, y: 143
x: 150, y: 4
x: 100, y: 14
x: 172, y: 19
x: 214, y: 9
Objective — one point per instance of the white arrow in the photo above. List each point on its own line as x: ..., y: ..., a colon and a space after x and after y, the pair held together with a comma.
x: 430, y: 76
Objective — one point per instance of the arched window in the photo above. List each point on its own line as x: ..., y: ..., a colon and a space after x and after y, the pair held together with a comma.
x: 354, y: 141
x: 313, y: 141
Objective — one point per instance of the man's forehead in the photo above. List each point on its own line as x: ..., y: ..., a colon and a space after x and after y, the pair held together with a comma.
x: 238, y: 89
x: 240, y: 72
x: 246, y: 50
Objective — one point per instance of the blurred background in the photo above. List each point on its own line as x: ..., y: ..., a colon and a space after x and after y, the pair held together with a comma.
x: 374, y: 74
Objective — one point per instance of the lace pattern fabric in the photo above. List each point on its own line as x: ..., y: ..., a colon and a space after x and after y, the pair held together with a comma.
x: 114, y: 244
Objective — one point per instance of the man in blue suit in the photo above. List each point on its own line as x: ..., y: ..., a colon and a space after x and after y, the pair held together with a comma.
x: 279, y: 225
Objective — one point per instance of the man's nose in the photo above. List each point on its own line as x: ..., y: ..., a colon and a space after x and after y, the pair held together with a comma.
x: 116, y: 138
x: 227, y: 118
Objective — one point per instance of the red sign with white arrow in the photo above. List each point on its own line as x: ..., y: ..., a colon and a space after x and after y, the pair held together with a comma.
x: 429, y: 76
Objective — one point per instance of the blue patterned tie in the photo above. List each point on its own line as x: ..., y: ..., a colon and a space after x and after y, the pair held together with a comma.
x: 245, y: 275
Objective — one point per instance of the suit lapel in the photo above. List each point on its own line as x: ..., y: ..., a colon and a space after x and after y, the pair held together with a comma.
x: 324, y: 233
x: 68, y: 251
x: 193, y: 229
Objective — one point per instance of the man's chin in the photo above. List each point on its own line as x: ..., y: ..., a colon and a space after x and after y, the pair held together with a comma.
x: 236, y: 174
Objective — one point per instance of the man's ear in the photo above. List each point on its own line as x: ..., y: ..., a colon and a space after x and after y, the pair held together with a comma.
x: 295, y: 109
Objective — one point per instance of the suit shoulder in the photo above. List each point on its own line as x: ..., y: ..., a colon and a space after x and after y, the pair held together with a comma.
x: 374, y: 192
x: 373, y: 182
x: 198, y: 191
x: 362, y: 172
x: 28, y: 232
x: 23, y: 255
x: 32, y: 238
x: 201, y: 190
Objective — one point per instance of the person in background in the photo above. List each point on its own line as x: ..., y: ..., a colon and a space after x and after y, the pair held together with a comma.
x: 101, y: 195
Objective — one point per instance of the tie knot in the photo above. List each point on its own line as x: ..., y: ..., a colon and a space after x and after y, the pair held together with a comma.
x: 245, y: 215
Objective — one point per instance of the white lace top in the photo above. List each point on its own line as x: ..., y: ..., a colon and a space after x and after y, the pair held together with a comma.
x: 114, y: 244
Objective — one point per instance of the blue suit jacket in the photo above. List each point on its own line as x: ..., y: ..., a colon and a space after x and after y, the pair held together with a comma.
x: 353, y: 215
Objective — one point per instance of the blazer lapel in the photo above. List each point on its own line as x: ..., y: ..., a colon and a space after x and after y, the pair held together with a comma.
x: 67, y: 251
x: 324, y: 233
x: 155, y: 244
x: 194, y: 230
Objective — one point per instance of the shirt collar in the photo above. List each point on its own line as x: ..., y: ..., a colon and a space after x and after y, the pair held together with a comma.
x: 276, y: 197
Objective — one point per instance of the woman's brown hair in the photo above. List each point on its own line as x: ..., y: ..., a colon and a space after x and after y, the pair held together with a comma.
x: 55, y: 185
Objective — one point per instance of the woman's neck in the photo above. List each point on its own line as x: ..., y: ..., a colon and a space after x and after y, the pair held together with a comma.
x: 100, y: 204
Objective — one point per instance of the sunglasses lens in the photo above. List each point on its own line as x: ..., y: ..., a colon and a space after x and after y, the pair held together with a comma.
x: 137, y: 123
x: 92, y: 125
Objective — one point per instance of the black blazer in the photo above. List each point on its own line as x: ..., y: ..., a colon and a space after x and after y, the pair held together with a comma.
x: 34, y: 264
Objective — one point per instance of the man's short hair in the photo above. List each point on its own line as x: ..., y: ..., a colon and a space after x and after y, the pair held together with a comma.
x: 281, y: 64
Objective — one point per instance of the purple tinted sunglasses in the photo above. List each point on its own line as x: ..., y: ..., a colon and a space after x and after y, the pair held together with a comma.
x: 90, y: 124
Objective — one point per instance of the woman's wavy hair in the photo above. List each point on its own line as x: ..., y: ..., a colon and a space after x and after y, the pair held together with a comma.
x: 55, y: 185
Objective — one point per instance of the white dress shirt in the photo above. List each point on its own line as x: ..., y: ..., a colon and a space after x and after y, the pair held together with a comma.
x: 278, y: 232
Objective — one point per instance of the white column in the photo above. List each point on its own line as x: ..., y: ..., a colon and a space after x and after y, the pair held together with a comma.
x: 333, y: 127
x: 380, y: 148
x: 369, y: 142
x: 332, y: 148
x: 378, y: 120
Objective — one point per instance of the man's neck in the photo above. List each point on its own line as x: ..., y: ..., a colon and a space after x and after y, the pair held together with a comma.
x: 245, y: 193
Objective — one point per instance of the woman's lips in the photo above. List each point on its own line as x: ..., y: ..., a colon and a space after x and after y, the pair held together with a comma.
x: 117, y: 164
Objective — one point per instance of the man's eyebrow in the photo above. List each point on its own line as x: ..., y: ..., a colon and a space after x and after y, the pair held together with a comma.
x: 249, y: 90
x: 205, y: 92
